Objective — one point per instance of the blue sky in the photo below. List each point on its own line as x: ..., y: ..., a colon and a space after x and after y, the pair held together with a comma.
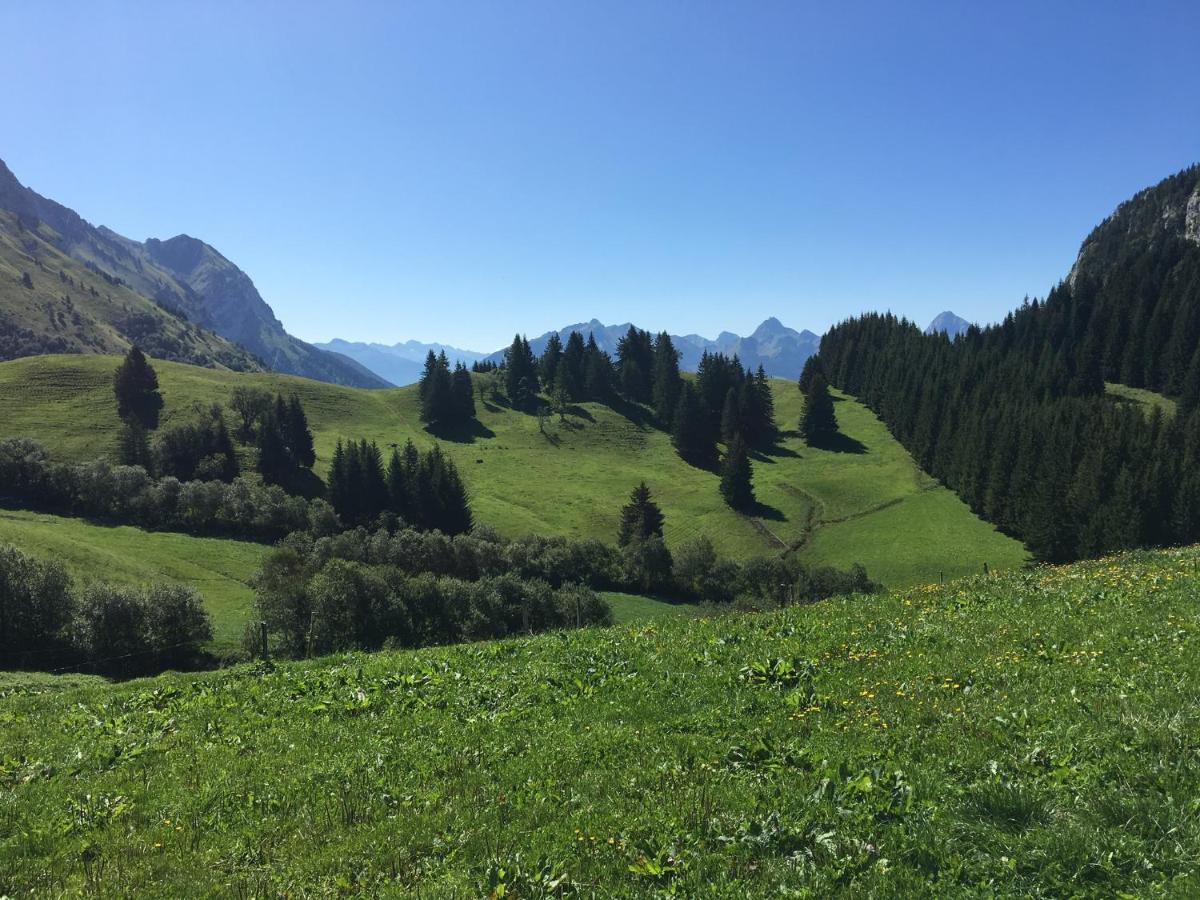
x: 458, y: 171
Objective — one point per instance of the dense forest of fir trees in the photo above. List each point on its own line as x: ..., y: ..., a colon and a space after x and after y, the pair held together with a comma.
x: 1015, y: 418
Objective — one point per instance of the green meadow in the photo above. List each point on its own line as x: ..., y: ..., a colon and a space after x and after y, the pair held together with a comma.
x: 1030, y: 734
x: 870, y: 504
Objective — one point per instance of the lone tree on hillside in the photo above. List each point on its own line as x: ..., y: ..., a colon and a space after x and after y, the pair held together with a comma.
x: 819, y: 423
x: 136, y: 387
x: 736, y: 485
x: 641, y: 517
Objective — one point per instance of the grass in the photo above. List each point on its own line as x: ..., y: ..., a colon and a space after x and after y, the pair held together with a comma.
x: 219, y: 569
x: 632, y: 609
x: 834, y: 508
x: 1031, y: 734
x: 1148, y: 400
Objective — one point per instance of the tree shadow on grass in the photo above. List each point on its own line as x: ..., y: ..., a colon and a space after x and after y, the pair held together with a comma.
x: 838, y: 443
x: 766, y: 511
x: 466, y: 433
x: 769, y: 452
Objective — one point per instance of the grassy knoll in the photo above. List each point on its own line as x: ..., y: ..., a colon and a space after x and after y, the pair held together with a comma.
x: 1147, y: 400
x: 1031, y: 734
x: 869, y: 502
x: 217, y: 568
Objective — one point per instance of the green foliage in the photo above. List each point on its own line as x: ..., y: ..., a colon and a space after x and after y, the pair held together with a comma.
x: 736, y: 484
x: 1022, y: 735
x: 819, y: 424
x: 832, y: 508
x: 136, y: 387
x: 641, y: 517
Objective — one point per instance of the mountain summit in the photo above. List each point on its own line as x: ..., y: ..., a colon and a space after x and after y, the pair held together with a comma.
x: 90, y: 289
x: 948, y: 322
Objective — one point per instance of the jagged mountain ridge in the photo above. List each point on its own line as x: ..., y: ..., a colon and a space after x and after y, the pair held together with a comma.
x: 781, y: 351
x: 178, y: 299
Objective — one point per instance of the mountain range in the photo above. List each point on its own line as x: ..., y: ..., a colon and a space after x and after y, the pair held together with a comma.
x: 399, y: 364
x: 69, y: 286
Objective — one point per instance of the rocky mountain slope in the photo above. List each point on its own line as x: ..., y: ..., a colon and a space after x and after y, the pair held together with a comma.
x: 90, y: 289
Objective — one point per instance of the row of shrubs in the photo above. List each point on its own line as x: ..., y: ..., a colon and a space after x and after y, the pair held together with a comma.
x: 130, y: 495
x: 48, y: 624
x: 344, y: 605
x: 694, y: 571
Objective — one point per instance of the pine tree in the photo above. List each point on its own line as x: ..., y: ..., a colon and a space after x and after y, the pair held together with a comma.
x: 597, y: 373
x: 812, y: 368
x: 135, y: 384
x: 641, y: 517
x: 819, y: 422
x: 694, y: 436
x: 731, y: 417
x: 667, y: 382
x: 736, y: 484
x: 462, y: 392
x: 551, y: 357
x: 338, y: 487
x: 572, y: 366
x: 299, y: 437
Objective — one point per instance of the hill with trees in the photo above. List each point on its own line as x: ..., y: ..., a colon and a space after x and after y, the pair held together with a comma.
x: 565, y: 475
x: 1018, y: 418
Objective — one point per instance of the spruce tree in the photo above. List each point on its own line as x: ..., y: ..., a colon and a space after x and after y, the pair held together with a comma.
x: 572, y: 365
x: 694, y: 435
x: 551, y: 357
x: 641, y: 517
x: 135, y: 384
x: 462, y: 392
x: 819, y: 422
x: 736, y: 477
x: 299, y: 437
x: 731, y: 417
x: 667, y: 382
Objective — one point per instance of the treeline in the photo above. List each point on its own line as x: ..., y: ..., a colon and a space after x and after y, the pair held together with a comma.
x: 1017, y: 424
x: 447, y: 397
x: 48, y: 624
x: 421, y: 490
x: 130, y: 495
x: 426, y: 587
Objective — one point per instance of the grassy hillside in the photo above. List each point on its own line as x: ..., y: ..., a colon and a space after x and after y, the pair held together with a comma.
x: 219, y: 569
x: 1032, y: 734
x: 872, y: 506
x: 66, y: 306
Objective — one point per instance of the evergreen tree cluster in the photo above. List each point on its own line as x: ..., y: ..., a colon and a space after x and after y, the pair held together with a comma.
x: 447, y: 397
x: 1015, y: 417
x: 285, y: 443
x: 422, y: 490
x: 483, y: 366
x: 725, y: 403
x: 196, y: 451
x: 1073, y: 476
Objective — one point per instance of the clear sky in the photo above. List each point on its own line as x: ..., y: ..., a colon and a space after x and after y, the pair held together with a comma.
x: 458, y: 171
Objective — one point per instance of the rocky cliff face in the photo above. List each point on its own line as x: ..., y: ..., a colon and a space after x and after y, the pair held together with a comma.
x: 164, y: 283
x: 1148, y: 223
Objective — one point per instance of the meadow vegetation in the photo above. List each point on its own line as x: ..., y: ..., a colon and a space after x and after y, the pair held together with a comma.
x: 1027, y: 734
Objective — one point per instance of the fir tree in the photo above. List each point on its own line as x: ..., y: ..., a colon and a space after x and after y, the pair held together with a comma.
x: 135, y: 384
x: 694, y: 435
x: 551, y: 357
x: 667, y: 382
x: 134, y: 446
x: 731, y: 417
x: 572, y: 366
x: 819, y: 422
x: 641, y: 517
x: 736, y: 484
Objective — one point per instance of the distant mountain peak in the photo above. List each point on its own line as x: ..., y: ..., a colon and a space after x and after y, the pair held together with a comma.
x: 949, y: 323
